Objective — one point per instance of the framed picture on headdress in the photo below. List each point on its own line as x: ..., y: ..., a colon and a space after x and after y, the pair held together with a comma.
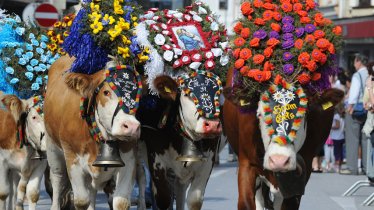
x: 189, y: 36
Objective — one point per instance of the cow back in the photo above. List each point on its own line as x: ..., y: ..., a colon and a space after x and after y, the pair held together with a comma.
x: 8, y: 129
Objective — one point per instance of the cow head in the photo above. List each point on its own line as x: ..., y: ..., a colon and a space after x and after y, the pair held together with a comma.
x: 283, y: 115
x: 28, y: 115
x: 197, y: 95
x: 110, y: 98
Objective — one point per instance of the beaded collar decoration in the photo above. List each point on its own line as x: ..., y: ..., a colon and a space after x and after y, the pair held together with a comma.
x: 284, y: 107
x: 205, y: 89
x: 126, y: 84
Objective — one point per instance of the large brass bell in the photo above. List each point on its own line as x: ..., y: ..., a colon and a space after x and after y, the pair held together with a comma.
x: 38, y: 155
x: 191, y: 151
x: 108, y: 155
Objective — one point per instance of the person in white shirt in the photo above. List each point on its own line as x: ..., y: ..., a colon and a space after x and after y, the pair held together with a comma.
x: 353, y: 125
x: 337, y: 136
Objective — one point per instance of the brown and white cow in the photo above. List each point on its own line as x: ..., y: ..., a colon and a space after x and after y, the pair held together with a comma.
x: 263, y: 167
x: 167, y: 121
x: 70, y: 148
x: 19, y: 173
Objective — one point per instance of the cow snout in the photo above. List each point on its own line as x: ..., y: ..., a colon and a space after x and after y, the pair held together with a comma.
x: 212, y: 127
x: 127, y: 130
x: 131, y: 128
x: 279, y: 162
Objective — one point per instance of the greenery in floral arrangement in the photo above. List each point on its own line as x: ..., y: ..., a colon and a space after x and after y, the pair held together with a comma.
x: 111, y: 24
x: 283, y: 40
x: 27, y: 64
x: 163, y: 29
x: 58, y: 34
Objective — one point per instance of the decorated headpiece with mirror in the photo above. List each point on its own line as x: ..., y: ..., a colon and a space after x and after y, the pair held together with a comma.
x: 281, y: 49
x: 191, y: 43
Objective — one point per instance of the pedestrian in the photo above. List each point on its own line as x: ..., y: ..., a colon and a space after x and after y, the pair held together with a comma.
x: 337, y: 136
x: 329, y: 155
x: 355, y: 118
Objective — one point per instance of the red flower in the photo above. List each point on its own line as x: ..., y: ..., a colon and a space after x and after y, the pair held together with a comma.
x: 268, y: 52
x: 258, y: 59
x: 259, y: 21
x: 310, y: 39
x: 319, y: 19
x: 238, y: 27
x: 239, y: 42
x: 277, y: 16
x: 304, y: 57
x: 260, y: 76
x: 178, y: 63
x: 255, y: 42
x: 286, y: 7
x: 244, y: 70
x: 303, y: 78
x: 246, y: 8
x: 302, y: 13
x: 236, y: 53
x: 331, y: 49
x: 278, y: 79
x: 258, y: 3
x: 239, y: 63
x: 316, y: 76
x: 337, y: 30
x: 319, y: 34
x: 197, y: 57
x: 267, y: 15
x: 305, y: 20
x: 310, y: 4
x: 268, y: 66
x: 245, y: 33
x: 299, y: 44
x: 323, y: 44
x: 317, y: 55
x: 272, y: 42
x: 297, y: 7
x: 245, y: 53
x: 276, y: 27
x: 268, y: 6
x: 210, y: 64
x: 311, y: 65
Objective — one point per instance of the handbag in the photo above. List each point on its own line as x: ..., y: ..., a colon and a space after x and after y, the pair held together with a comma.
x: 359, y: 111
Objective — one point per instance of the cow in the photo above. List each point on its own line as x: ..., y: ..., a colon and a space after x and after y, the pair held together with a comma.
x: 262, y: 169
x: 169, y: 121
x: 22, y: 134
x: 71, y: 149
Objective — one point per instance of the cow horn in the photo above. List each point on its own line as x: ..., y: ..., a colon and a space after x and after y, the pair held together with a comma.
x: 108, y: 156
x: 191, y: 151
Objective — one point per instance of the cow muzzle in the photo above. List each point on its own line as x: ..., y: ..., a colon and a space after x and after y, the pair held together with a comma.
x: 126, y: 130
x: 212, y: 128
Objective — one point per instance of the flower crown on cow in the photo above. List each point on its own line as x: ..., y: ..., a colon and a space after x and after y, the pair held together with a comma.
x: 184, y: 40
x: 102, y: 29
x: 25, y: 57
x: 286, y: 40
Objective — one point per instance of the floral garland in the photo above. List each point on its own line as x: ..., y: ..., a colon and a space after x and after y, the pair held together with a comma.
x: 27, y: 62
x: 185, y: 39
x: 110, y: 23
x: 291, y: 39
x: 283, y: 93
x: 58, y: 34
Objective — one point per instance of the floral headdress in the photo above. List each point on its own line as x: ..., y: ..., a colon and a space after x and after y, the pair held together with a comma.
x: 286, y: 40
x: 183, y: 40
x: 27, y: 59
x: 104, y: 28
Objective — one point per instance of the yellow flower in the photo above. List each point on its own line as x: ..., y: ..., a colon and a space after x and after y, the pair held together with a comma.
x: 146, y: 50
x: 95, y: 16
x: 125, y: 40
x: 61, y: 51
x: 54, y: 39
x: 64, y: 25
x: 117, y: 7
x: 124, y: 52
x: 50, y: 33
x: 66, y: 33
x: 94, y: 7
x: 108, y: 19
x: 134, y: 18
x: 52, y: 47
x: 123, y: 24
x: 114, y: 32
x: 135, y: 24
x: 142, y: 57
x: 96, y: 27
x: 69, y: 23
x: 57, y: 24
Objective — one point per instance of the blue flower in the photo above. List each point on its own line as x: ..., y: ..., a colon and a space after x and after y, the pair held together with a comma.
x: 29, y: 75
x: 43, y: 58
x: 29, y: 47
x: 49, y: 53
x: 19, y: 52
x: 34, y: 62
x: 37, y: 69
x: 20, y: 31
x: 43, y: 45
x: 22, y: 61
x: 29, y: 68
x: 48, y: 66
x: 18, y: 19
x: 39, y: 80
x: 46, y: 78
x: 39, y: 50
x: 44, y: 38
x: 9, y: 70
x: 35, y: 86
x: 31, y: 36
x: 29, y: 55
x: 51, y: 61
x: 34, y: 42
x: 14, y: 81
x: 43, y: 67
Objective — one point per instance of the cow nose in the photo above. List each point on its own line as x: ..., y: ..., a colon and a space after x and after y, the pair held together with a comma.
x: 279, y: 162
x: 212, y: 126
x: 131, y: 128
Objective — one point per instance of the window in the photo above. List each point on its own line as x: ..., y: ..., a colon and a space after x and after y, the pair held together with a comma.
x: 364, y: 3
x: 223, y: 4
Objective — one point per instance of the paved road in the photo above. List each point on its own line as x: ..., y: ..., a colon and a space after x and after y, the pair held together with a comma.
x: 324, y: 191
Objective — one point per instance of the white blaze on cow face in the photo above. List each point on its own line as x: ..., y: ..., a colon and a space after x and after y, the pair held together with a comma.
x: 35, y: 130
x: 196, y: 126
x: 112, y: 124
x: 280, y: 157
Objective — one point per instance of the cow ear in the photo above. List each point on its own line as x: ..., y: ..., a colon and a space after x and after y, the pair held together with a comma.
x: 330, y: 98
x: 84, y: 84
x: 14, y: 105
x: 166, y: 86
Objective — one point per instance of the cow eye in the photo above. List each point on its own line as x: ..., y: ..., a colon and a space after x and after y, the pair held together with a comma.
x: 106, y: 93
x: 33, y: 117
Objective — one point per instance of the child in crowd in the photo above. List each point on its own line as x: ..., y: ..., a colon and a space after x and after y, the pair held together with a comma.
x: 337, y: 135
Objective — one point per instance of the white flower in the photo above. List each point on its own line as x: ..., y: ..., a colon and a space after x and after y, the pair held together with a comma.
x: 278, y: 96
x: 214, y: 26
x: 217, y: 51
x: 195, y: 65
x: 224, y: 45
x: 160, y: 39
x: 224, y: 60
x: 149, y: 15
x: 202, y: 11
x: 125, y: 75
x: 168, y: 55
x: 178, y: 15
x: 178, y: 51
x: 197, y: 18
x: 290, y: 96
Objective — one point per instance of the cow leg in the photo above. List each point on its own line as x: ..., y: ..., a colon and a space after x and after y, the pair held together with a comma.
x: 33, y: 185
x: 180, y: 194
x: 14, y: 180
x: 4, y: 185
x: 81, y: 189
x: 291, y: 203
x: 125, y: 182
x: 161, y: 189
x: 58, y: 176
x: 259, y: 198
x: 247, y: 185
x: 140, y: 178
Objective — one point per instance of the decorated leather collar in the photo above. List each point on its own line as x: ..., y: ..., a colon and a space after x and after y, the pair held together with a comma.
x: 205, y: 89
x: 126, y: 84
x: 284, y: 107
